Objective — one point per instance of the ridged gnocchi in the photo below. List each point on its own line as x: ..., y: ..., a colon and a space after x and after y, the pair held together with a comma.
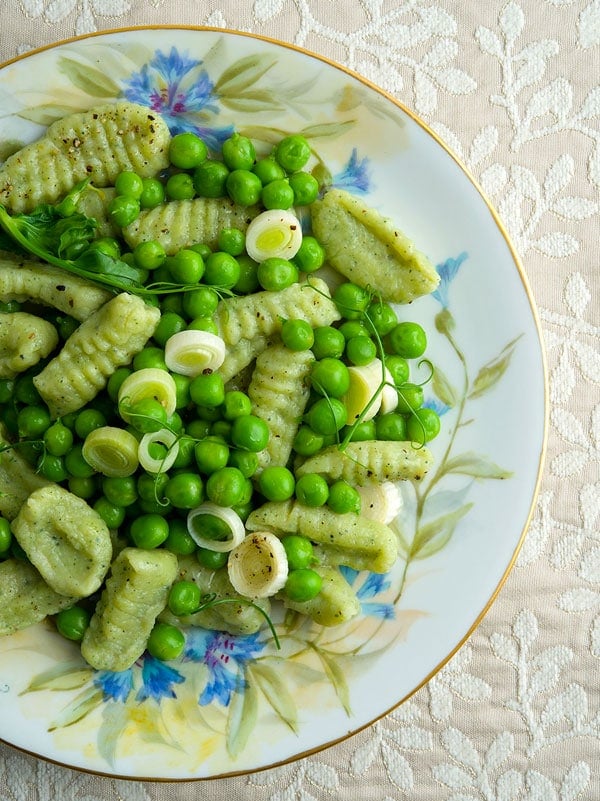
x: 369, y: 249
x: 96, y: 144
x: 65, y: 539
x: 346, y: 539
x: 181, y: 223
x: 17, y: 478
x: 336, y: 603
x: 24, y: 340
x: 25, y: 598
x: 134, y: 595
x: 372, y: 460
x: 279, y: 390
x: 105, y: 341
x: 25, y: 280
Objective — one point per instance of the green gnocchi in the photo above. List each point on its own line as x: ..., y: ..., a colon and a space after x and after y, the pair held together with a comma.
x: 24, y: 340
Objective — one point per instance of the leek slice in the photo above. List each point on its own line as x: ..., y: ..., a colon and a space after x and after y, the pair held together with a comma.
x: 193, y: 352
x: 111, y: 451
x: 274, y: 233
x: 163, y: 437
x: 150, y: 382
x: 258, y: 566
x: 217, y: 528
x: 365, y: 382
x: 381, y: 502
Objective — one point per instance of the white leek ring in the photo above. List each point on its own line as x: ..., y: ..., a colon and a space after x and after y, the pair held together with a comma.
x: 381, y: 502
x: 111, y: 451
x: 192, y: 352
x: 389, y: 394
x: 274, y: 233
x: 258, y: 566
x: 164, y: 437
x: 150, y: 382
x: 231, y: 519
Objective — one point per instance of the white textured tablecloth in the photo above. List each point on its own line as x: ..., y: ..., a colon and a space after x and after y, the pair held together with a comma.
x: 514, y: 88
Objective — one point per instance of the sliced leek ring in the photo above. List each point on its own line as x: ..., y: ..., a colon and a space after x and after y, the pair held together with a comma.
x: 149, y: 462
x: 111, y: 451
x: 389, y: 394
x: 273, y: 233
x: 364, y: 383
x: 381, y: 502
x: 209, y: 519
x: 150, y: 382
x: 258, y: 566
x: 192, y: 352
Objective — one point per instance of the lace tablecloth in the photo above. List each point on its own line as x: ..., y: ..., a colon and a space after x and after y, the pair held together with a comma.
x: 513, y: 87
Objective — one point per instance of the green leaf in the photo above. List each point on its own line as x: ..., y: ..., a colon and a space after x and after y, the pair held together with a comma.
x: 83, y: 704
x: 243, y: 714
x: 243, y: 73
x: 336, y: 676
x: 48, y: 113
x: 276, y: 693
x: 475, y: 465
x: 327, y: 129
x: 115, y: 718
x: 443, y: 388
x: 260, y: 100
x: 90, y: 80
x: 433, y: 536
x: 492, y: 372
x: 64, y: 676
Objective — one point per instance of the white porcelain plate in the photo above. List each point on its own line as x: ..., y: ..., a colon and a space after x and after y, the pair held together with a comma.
x: 236, y: 704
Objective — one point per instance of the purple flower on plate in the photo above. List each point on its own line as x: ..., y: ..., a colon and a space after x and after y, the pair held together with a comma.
x: 158, y: 679
x: 115, y: 685
x: 447, y: 272
x: 225, y: 656
x: 179, y: 89
x: 372, y: 584
x: 355, y: 175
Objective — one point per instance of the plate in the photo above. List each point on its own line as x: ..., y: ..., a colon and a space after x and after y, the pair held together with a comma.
x: 237, y: 704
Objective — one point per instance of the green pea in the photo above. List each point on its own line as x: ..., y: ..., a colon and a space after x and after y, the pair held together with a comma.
x: 276, y: 483
x: 361, y: 432
x: 226, y: 486
x: 299, y: 551
x: 211, y: 454
x: 232, y: 241
x: 114, y: 382
x: 344, y: 498
x: 292, y: 152
x: 245, y: 461
x: 238, y: 152
x: 423, y: 425
x: 25, y: 391
x: 360, y: 350
x: 222, y: 270
x: 58, y: 439
x: 243, y: 187
x: 184, y: 490
x: 180, y: 186
x: 186, y: 266
x: 201, y: 302
x: 7, y: 388
x: 312, y: 490
x: 410, y: 397
x: 149, y: 255
x: 112, y: 514
x: 307, y: 442
x: 327, y: 416
x: 184, y: 598
x: 53, y: 468
x: 250, y: 433
x: 207, y: 390
x: 5, y: 537
x: 210, y: 179
x: 275, y: 273
x: 83, y: 486
x: 329, y: 342
x: 187, y: 150
x: 330, y: 377
x: 303, y: 585
x: 179, y: 539
x: 120, y: 491
x: 297, y: 335
x: 391, y: 426
x: 408, y: 340
x: 236, y: 404
x: 73, y: 622
x: 170, y: 323
x: 150, y: 356
x: 129, y: 184
x: 248, y: 280
x: 398, y: 369
x: 310, y: 256
x: 268, y: 170
x: 165, y: 642
x: 88, y: 420
x: 277, y: 194
x: 146, y: 415
x: 213, y: 560
x: 153, y: 193
x: 381, y: 317
x: 149, y: 531
x: 351, y: 300
x: 124, y: 210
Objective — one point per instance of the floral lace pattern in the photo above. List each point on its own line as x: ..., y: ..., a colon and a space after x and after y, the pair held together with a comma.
x: 512, y: 86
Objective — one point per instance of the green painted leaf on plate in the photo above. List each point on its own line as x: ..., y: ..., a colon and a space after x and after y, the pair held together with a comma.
x: 63, y: 676
x: 327, y: 129
x: 242, y: 74
x: 337, y: 678
x: 259, y: 100
x: 83, y: 704
x: 115, y: 718
x: 243, y: 714
x: 90, y: 80
x: 48, y: 113
x: 435, y: 535
x: 443, y: 388
x: 492, y: 372
x: 276, y: 693
x: 475, y: 465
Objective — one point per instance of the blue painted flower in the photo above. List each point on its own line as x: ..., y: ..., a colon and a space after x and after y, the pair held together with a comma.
x: 115, y: 685
x: 447, y: 272
x: 158, y: 679
x: 225, y: 657
x: 437, y: 405
x: 372, y: 585
x: 355, y: 175
x: 180, y: 90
